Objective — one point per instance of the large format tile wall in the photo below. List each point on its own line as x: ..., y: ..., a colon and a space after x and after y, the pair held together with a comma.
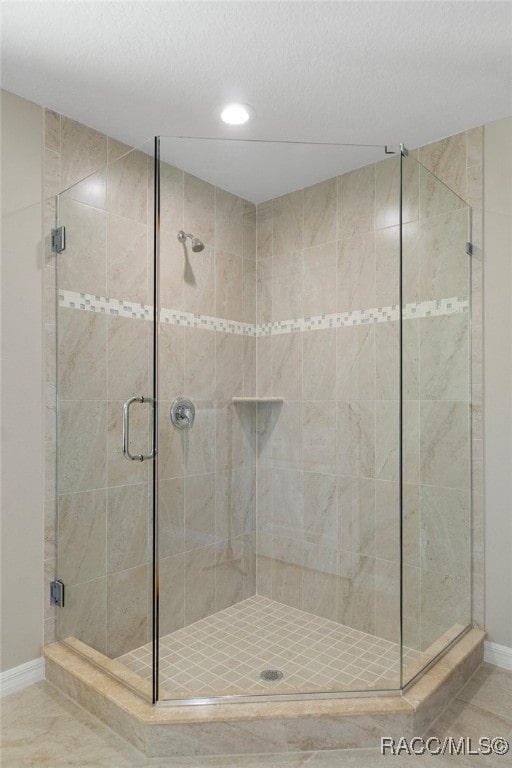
x: 328, y: 521
x: 103, y: 329
x: 206, y: 475
x: 327, y: 511
x: 323, y: 457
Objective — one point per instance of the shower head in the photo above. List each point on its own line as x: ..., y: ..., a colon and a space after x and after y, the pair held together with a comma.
x: 197, y: 244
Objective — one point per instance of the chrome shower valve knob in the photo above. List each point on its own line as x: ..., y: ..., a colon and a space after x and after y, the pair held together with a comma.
x: 182, y: 413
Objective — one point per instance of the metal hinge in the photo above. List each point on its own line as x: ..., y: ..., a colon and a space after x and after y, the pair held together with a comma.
x: 59, y: 239
x: 469, y: 249
x: 57, y: 593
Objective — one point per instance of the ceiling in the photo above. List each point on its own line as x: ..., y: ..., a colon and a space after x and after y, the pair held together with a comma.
x: 346, y: 72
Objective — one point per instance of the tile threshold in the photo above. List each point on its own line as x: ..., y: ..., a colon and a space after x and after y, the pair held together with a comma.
x: 261, y: 727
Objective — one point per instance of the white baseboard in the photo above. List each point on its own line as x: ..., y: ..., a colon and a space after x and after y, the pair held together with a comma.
x: 17, y: 678
x: 497, y: 654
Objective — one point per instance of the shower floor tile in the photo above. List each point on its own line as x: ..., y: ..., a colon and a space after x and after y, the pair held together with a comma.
x: 226, y: 652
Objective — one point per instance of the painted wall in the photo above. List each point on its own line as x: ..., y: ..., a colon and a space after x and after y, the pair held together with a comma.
x: 498, y: 379
x: 22, y: 368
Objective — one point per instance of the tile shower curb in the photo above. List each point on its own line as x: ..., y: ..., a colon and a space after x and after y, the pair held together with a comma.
x: 259, y: 727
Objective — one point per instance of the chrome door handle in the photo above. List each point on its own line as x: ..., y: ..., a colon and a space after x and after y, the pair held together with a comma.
x: 126, y: 430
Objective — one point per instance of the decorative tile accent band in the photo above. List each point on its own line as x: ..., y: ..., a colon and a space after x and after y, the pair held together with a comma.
x: 104, y: 305
x: 208, y: 323
x: 133, y: 310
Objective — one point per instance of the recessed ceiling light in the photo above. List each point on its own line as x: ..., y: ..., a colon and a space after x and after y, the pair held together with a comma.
x: 235, y: 114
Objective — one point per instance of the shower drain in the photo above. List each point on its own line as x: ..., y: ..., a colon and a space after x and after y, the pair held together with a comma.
x: 271, y: 674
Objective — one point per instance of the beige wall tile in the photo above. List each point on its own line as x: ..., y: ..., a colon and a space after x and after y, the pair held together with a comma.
x: 287, y: 503
x: 287, y: 233
x: 447, y: 160
x: 229, y: 283
x: 90, y: 191
x: 199, y: 511
x: 387, y: 266
x: 172, y: 593
x: 445, y: 530
x: 82, y: 360
x: 83, y: 151
x: 229, y: 210
x: 356, y: 272
x: 171, y: 198
x: 319, y: 581
x: 356, y: 591
x: 229, y: 355
x: 229, y: 572
x: 248, y: 231
x: 127, y: 610
x: 387, y: 601
x: 171, y: 516
x: 286, y: 572
x: 127, y: 269
x: 264, y: 230
x: 444, y: 358
x: 355, y: 363
x: 320, y: 510
x: 198, y: 444
x: 387, y: 193
x: 234, y: 503
x: 82, y: 265
x: 287, y: 437
x: 128, y: 348
x: 444, y: 266
x: 387, y: 439
x: 127, y: 184
x: 320, y: 206
x: 199, y: 209
x: 444, y: 444
x: 116, y: 149
x: 319, y: 365
x: 82, y: 445
x: 319, y: 280
x: 356, y: 514
x: 84, y: 615
x: 287, y: 286
x: 287, y: 365
x: 52, y: 130
x: 172, y: 351
x: 319, y: 436
x: 177, y: 273
x: 411, y: 607
x: 387, y: 360
x: 127, y: 526
x: 438, y: 616
x: 199, y: 281
x: 356, y: 202
x: 199, y: 364
x: 387, y: 520
x: 356, y: 443
x: 264, y: 291
x: 199, y: 583
x: 235, y: 437
x: 249, y: 291
x: 82, y: 531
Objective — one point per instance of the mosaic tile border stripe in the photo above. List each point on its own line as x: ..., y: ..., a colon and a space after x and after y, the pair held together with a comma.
x: 135, y: 311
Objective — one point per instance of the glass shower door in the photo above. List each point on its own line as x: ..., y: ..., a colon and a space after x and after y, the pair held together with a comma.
x: 436, y: 432
x: 105, y: 394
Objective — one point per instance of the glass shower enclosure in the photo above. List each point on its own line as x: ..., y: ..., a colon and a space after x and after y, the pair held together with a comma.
x: 264, y: 476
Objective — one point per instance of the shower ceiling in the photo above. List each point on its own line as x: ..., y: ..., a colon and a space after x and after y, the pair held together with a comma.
x: 364, y: 72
